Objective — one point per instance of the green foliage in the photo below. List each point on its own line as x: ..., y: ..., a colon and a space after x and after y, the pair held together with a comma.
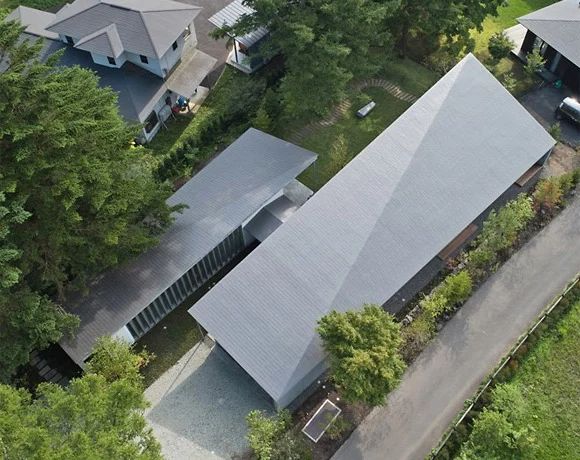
x: 94, y: 417
x: 500, y: 232
x: 509, y: 82
x: 456, y: 288
x: 324, y: 43
x: 28, y: 321
x: 499, y: 45
x: 495, y: 437
x: 535, y: 62
x: 292, y: 446
x: 339, y: 155
x: 452, y: 18
x: 417, y: 335
x: 339, y: 426
x: 265, y: 431
x: 115, y: 359
x: 363, y: 348
x: 75, y: 199
x: 555, y: 130
x: 435, y: 305
x: 262, y: 120
x: 536, y: 414
x: 548, y: 194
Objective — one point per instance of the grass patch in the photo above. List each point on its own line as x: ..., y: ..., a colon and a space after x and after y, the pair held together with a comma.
x: 410, y: 76
x: 507, y: 17
x: 548, y: 379
x: 359, y: 133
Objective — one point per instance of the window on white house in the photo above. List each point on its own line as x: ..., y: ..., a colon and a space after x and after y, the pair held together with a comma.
x: 151, y: 122
x: 174, y: 46
x: 144, y: 59
x: 111, y: 60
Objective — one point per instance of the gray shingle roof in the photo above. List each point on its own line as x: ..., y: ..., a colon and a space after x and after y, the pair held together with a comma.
x: 147, y: 27
x: 220, y: 197
x: 372, y: 227
x: 105, y: 41
x: 35, y: 21
x: 559, y: 26
x: 229, y: 15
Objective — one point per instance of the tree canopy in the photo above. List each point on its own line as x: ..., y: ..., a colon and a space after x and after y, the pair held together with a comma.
x: 324, y: 44
x: 364, y: 352
x: 75, y: 198
x: 95, y: 417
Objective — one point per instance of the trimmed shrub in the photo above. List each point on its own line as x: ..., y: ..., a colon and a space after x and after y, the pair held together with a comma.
x: 264, y: 432
x: 548, y: 195
x: 499, y: 45
x: 555, y: 131
x: 456, y: 288
x: 535, y: 63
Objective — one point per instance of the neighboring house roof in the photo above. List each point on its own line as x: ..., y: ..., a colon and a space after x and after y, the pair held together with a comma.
x: 105, y: 41
x: 229, y: 190
x: 373, y: 227
x: 147, y: 27
x: 559, y: 26
x: 35, y: 21
x: 229, y: 15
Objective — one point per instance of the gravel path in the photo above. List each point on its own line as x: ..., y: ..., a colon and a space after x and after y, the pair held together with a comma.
x: 198, y: 407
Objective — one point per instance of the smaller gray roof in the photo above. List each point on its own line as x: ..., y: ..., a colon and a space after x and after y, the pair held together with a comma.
x: 35, y: 21
x: 147, y: 27
x: 229, y: 190
x: 559, y: 26
x: 105, y: 41
x: 229, y: 15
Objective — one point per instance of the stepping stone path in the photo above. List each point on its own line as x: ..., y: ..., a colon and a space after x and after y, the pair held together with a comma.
x: 339, y: 110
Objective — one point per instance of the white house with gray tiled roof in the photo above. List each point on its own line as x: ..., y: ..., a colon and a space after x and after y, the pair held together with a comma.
x: 144, y: 49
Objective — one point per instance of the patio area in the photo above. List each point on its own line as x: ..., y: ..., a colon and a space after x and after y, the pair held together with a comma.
x: 198, y: 407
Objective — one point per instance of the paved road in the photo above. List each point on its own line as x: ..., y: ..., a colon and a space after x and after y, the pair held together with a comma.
x: 449, y: 371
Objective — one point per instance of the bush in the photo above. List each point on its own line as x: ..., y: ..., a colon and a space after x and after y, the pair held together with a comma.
x: 555, y: 131
x: 338, y: 428
x: 264, y: 432
x: 416, y: 335
x: 292, y: 447
x: 548, y: 195
x: 456, y: 288
x: 434, y: 305
x: 535, y: 63
x: 499, y: 45
x: 509, y: 82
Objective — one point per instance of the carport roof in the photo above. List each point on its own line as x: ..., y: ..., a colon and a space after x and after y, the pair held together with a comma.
x: 559, y: 26
x: 230, y: 189
x: 370, y: 229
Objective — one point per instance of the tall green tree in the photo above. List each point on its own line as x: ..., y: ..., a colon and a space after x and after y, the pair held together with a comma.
x: 364, y: 352
x: 96, y: 417
x: 75, y: 198
x: 324, y: 44
x: 451, y: 18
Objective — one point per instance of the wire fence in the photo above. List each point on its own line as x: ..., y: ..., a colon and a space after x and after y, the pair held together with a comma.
x: 505, y: 361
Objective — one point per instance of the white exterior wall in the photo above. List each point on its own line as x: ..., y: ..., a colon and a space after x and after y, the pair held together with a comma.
x: 102, y: 60
x: 153, y: 66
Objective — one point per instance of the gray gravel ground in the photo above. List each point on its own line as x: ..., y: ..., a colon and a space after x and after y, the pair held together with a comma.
x: 198, y: 407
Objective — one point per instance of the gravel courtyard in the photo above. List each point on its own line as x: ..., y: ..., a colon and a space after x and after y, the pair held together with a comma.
x: 198, y: 407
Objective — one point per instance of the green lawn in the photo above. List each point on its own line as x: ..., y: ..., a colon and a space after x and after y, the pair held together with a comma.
x: 550, y: 382
x: 548, y: 385
x: 359, y: 133
x: 506, y: 18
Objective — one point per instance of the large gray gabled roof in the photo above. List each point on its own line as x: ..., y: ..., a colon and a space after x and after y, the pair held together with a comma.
x: 373, y: 226
x: 559, y: 26
x: 233, y: 12
x: 147, y: 27
x: 225, y: 193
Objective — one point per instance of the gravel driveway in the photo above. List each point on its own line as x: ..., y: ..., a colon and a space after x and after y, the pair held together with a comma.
x: 198, y: 407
